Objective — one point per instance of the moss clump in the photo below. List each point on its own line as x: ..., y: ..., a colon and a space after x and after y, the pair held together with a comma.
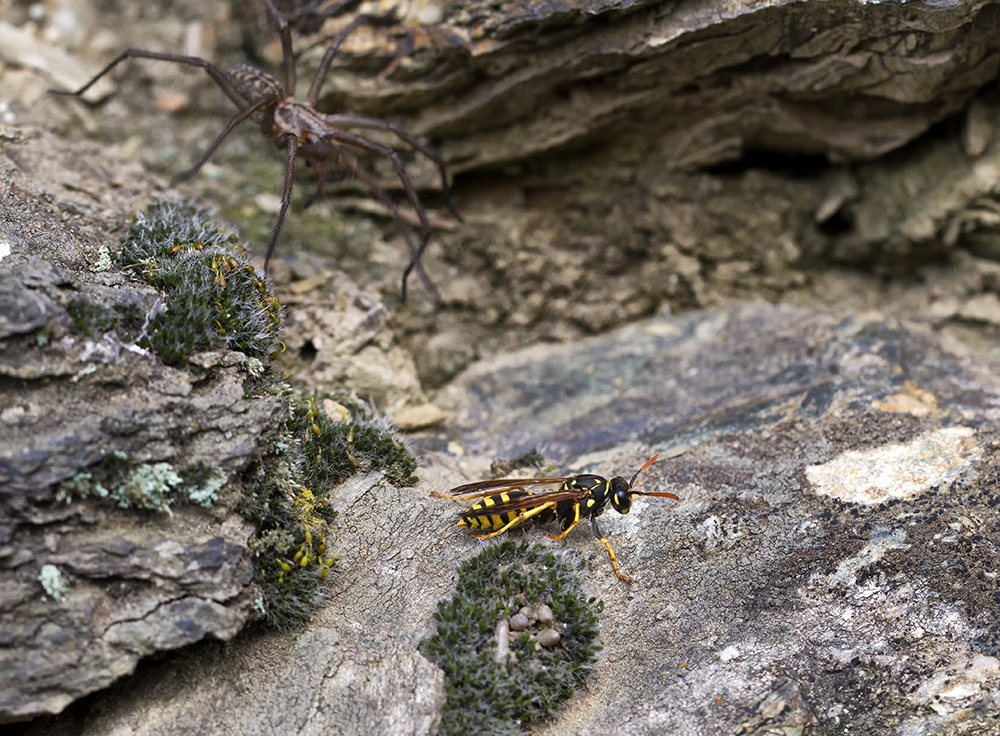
x: 212, y: 294
x: 91, y: 318
x: 290, y: 556
x: 288, y: 498
x: 486, y: 696
x: 160, y: 231
x: 531, y: 459
x: 336, y: 450
x: 143, y: 486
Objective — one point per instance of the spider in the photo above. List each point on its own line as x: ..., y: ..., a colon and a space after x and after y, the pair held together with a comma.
x: 305, y: 133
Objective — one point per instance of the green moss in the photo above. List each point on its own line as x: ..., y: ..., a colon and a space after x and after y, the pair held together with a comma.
x: 289, y: 552
x: 289, y: 500
x: 490, y: 697
x: 90, y: 318
x: 337, y: 450
x: 160, y: 231
x: 531, y: 459
x: 213, y: 297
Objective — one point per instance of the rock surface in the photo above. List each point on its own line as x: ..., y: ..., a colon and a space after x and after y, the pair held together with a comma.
x: 89, y: 588
x: 612, y: 159
x: 831, y: 563
x: 762, y: 603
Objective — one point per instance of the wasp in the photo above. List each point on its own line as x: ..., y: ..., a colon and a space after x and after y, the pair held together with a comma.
x: 509, y: 502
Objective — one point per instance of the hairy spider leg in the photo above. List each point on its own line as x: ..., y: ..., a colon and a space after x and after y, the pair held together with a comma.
x: 213, y: 71
x: 338, y: 38
x: 611, y: 553
x: 358, y: 121
x: 411, y: 194
x: 352, y: 163
x: 518, y: 520
x: 237, y: 119
x: 287, y: 54
x: 286, y: 198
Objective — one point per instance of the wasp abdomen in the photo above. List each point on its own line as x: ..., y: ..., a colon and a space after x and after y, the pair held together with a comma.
x: 253, y: 84
x: 479, y: 515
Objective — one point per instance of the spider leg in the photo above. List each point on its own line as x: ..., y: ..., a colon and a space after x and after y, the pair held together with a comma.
x: 321, y: 170
x: 358, y: 121
x: 351, y: 162
x: 217, y: 75
x: 336, y: 40
x: 237, y: 119
x: 287, y: 55
x: 286, y: 199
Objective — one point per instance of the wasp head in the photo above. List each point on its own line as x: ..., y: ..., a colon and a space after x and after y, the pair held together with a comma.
x: 621, y: 491
x: 621, y: 495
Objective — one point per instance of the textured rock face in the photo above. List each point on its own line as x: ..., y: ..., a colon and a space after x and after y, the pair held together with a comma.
x: 699, y: 82
x: 832, y: 561
x: 90, y: 587
x: 763, y: 602
x: 828, y: 562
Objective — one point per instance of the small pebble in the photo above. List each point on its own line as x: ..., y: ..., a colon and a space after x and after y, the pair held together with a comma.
x: 518, y: 622
x: 545, y: 616
x: 418, y: 417
x: 337, y: 412
x: 527, y: 613
x: 173, y: 101
x: 503, y: 641
x: 548, y: 637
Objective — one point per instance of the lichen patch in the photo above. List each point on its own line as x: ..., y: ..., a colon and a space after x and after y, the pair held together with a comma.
x: 900, y: 470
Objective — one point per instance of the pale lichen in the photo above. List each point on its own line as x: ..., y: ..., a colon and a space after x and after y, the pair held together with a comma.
x: 53, y: 582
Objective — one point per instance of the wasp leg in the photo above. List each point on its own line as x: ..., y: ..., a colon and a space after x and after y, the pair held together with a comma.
x: 519, y: 519
x: 597, y: 533
x: 571, y: 527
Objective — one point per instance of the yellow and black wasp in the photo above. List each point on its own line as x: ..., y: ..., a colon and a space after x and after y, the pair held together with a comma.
x: 506, y: 503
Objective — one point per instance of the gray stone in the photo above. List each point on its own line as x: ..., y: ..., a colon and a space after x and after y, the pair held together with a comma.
x: 89, y: 588
x: 761, y: 601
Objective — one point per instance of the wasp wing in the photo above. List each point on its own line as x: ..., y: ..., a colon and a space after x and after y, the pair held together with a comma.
x: 491, y: 487
x: 526, y: 501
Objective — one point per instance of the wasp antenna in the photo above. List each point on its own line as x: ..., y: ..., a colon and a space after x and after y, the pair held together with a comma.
x: 661, y: 495
x: 648, y: 463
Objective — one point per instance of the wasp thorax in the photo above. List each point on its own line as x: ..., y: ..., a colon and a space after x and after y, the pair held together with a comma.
x: 621, y: 495
x: 253, y: 84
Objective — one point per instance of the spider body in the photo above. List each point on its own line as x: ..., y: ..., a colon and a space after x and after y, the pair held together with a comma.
x: 303, y: 132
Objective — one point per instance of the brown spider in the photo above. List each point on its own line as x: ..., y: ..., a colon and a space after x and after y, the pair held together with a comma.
x: 298, y: 127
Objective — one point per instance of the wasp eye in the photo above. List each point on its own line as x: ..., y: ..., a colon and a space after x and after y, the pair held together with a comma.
x: 622, y: 501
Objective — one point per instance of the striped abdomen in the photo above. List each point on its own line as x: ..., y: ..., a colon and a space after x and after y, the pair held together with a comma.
x: 478, y: 516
